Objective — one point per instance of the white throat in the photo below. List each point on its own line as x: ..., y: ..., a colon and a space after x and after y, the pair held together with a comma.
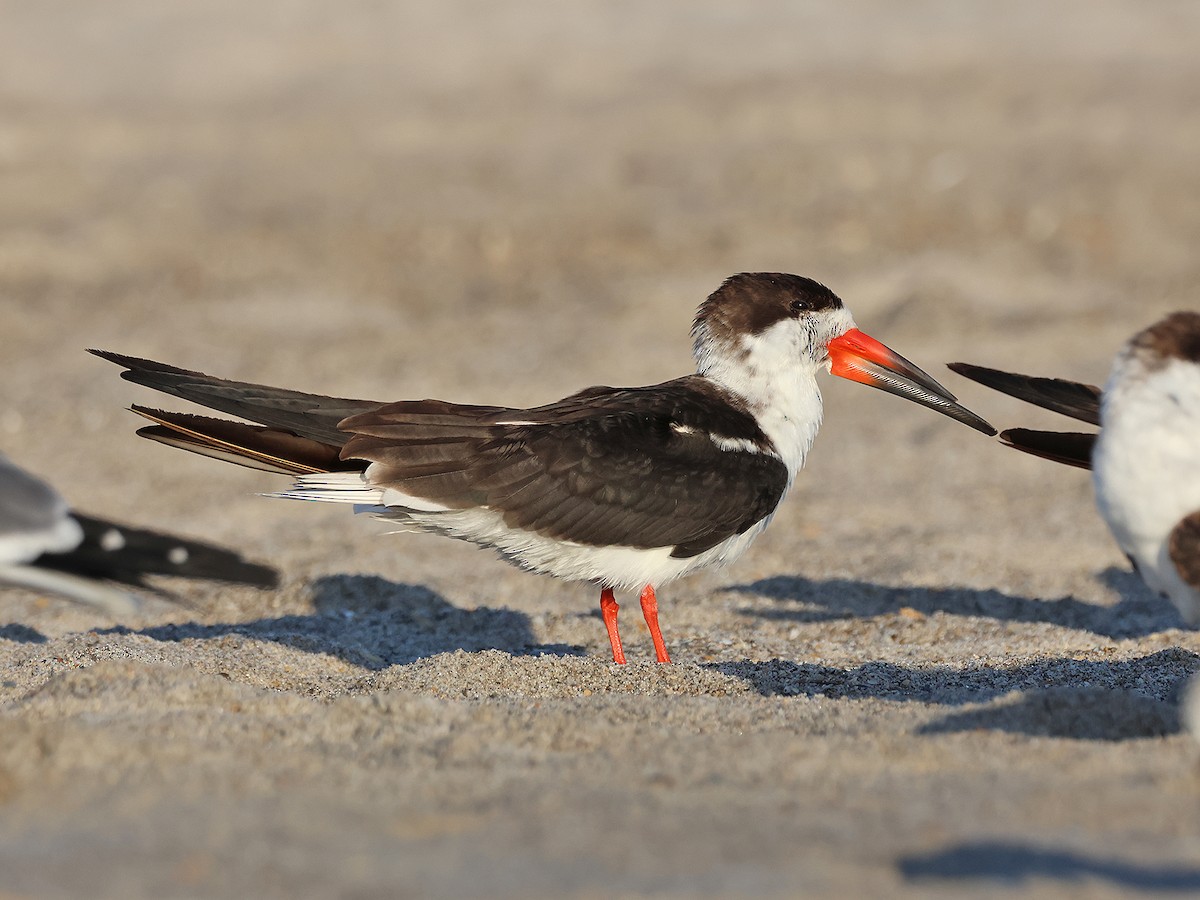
x: 778, y: 381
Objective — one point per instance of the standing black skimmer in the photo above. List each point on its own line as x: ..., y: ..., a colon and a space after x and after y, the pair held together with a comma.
x: 44, y: 545
x: 1145, y: 460
x: 625, y: 487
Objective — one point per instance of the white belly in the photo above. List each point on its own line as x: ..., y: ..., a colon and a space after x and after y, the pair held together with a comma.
x: 624, y: 568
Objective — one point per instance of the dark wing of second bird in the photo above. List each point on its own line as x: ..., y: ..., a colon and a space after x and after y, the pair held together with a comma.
x: 673, y: 465
x: 1070, y: 398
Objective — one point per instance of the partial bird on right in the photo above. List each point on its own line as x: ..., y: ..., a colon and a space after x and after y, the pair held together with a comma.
x: 1145, y: 460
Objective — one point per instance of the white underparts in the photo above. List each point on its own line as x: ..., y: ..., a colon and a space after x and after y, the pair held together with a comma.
x: 1146, y: 468
x: 626, y: 568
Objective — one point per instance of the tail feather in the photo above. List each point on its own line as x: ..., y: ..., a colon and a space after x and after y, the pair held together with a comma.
x: 432, y: 443
x: 255, y: 446
x: 426, y: 413
x: 333, y: 487
x: 313, y: 416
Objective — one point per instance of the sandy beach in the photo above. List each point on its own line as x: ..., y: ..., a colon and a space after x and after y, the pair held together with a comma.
x: 933, y: 675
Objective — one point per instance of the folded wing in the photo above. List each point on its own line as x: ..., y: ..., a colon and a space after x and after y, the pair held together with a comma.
x: 638, y: 467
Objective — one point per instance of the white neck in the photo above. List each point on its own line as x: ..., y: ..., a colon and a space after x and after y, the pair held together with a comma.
x: 778, y: 384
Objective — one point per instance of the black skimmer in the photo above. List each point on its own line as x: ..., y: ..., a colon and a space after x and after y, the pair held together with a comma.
x: 625, y: 487
x: 1145, y: 460
x: 45, y: 545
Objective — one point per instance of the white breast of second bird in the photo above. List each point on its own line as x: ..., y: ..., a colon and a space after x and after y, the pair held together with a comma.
x: 1146, y: 467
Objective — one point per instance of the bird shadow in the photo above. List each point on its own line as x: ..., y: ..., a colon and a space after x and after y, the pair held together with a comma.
x: 374, y: 623
x: 1063, y: 697
x: 1137, y: 613
x: 1082, y: 699
x: 21, y: 634
x: 1012, y: 864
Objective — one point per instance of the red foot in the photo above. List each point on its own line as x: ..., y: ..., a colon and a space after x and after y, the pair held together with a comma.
x: 608, y: 609
x: 650, y: 611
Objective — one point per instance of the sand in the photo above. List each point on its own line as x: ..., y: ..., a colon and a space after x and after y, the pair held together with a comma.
x: 933, y: 675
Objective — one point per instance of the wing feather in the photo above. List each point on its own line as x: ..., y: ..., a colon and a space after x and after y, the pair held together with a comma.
x: 611, y: 471
x: 1071, y: 398
x: 312, y: 416
x: 1071, y: 448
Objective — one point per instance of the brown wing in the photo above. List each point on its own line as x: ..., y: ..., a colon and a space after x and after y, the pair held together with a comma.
x: 1068, y: 447
x: 634, y: 467
x: 1071, y: 398
x: 1183, y: 546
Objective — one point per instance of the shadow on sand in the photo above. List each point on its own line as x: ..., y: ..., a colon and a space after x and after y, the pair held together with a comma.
x: 21, y: 634
x: 1013, y: 864
x: 801, y: 599
x: 1064, y: 697
x: 1083, y: 699
x: 375, y: 623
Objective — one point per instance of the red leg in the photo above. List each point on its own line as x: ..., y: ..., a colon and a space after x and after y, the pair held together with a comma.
x: 650, y: 611
x: 608, y: 609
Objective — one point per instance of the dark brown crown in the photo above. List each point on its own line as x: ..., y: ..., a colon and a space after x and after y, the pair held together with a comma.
x: 1175, y: 337
x: 752, y: 302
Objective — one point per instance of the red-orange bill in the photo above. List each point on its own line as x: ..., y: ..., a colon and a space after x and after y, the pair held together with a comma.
x: 859, y: 357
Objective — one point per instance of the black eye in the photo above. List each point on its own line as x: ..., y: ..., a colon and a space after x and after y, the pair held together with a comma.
x: 800, y: 306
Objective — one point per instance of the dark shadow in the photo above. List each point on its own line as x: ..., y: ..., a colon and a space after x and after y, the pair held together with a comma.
x: 1133, y: 591
x: 1110, y: 700
x: 375, y: 623
x: 1138, y: 613
x: 1013, y: 864
x: 953, y: 686
x: 1081, y: 713
x: 21, y: 634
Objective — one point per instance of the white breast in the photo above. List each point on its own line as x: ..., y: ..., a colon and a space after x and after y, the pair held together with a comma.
x: 1146, y: 466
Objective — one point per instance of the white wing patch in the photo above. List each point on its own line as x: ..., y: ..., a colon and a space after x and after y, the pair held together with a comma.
x: 736, y: 445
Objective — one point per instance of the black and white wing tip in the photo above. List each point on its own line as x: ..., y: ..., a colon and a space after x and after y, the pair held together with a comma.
x: 36, y: 522
x: 45, y: 546
x: 128, y: 555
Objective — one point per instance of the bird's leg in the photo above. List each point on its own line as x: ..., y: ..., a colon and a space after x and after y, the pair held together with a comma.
x: 650, y: 611
x: 608, y: 609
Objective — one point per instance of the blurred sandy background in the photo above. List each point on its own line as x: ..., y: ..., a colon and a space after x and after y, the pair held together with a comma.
x: 933, y: 674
